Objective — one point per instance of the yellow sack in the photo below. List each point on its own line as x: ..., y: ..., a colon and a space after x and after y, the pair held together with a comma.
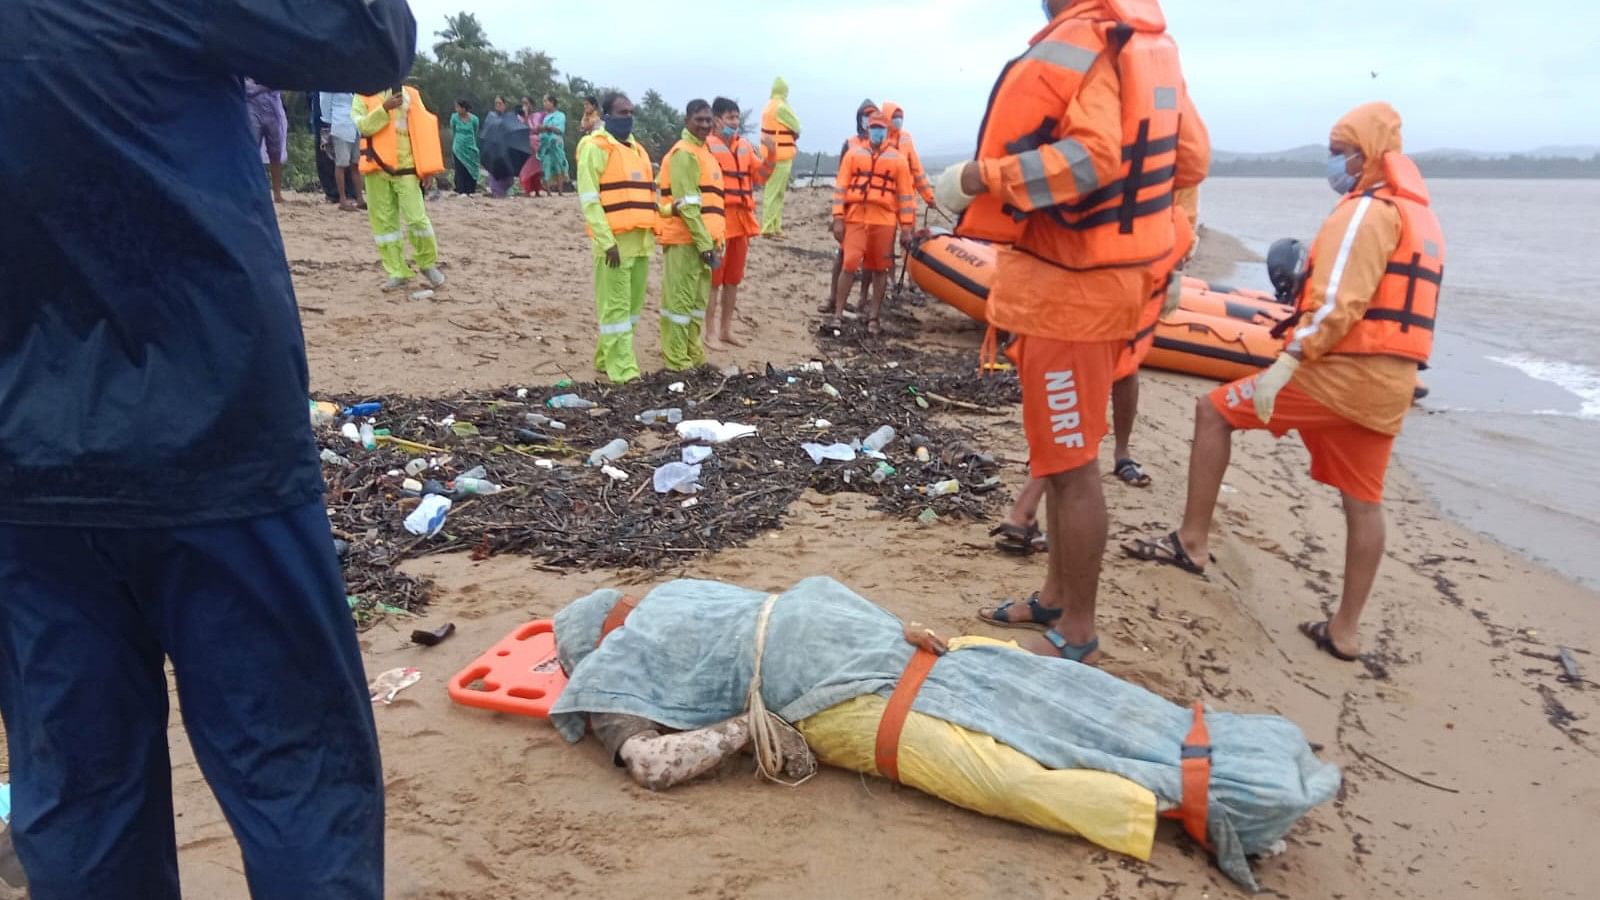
x: 977, y: 772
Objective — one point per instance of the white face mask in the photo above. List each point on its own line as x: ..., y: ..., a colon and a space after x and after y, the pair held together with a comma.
x: 1049, y: 16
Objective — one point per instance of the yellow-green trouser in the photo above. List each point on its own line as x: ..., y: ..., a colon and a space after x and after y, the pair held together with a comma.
x: 391, y: 198
x: 618, y: 301
x: 772, y: 198
x: 685, y: 291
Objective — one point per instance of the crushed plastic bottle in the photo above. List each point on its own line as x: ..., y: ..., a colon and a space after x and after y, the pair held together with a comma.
x: 475, y: 472
x: 568, y: 401
x: 878, y: 440
x: 334, y: 459
x: 677, y: 476
x: 943, y: 488
x: 428, y: 518
x: 476, y: 487
x: 612, y: 451
x: 384, y: 688
x: 671, y: 416
x: 369, y: 438
x: 416, y: 467
x: 882, y: 473
x: 928, y: 517
x: 830, y: 390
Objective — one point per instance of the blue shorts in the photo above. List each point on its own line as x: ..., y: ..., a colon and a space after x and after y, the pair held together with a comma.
x: 253, y: 616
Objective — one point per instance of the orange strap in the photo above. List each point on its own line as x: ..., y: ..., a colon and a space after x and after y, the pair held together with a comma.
x: 1194, y: 807
x: 894, y: 715
x: 617, y: 616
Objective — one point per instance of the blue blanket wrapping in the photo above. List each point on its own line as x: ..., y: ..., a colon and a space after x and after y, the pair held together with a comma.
x: 685, y: 658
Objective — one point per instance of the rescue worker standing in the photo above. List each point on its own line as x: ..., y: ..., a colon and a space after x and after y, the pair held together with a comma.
x: 780, y: 132
x: 693, y: 227
x: 1086, y: 137
x: 743, y: 168
x: 872, y: 195
x: 900, y: 139
x: 399, y: 150
x: 160, y: 496
x: 616, y: 186
x: 864, y: 114
x: 1364, y: 322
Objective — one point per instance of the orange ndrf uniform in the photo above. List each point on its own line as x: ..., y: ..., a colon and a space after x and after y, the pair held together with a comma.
x: 872, y: 195
x: 743, y: 169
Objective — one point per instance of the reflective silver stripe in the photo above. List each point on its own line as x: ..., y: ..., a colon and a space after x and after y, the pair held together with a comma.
x: 423, y: 231
x: 1083, y: 172
x: 698, y: 313
x: 1058, y: 53
x: 389, y: 238
x: 689, y: 200
x: 633, y: 320
x: 1331, y: 296
x: 1035, y: 180
x: 1166, y: 98
x: 617, y: 328
x: 675, y: 319
x: 589, y: 197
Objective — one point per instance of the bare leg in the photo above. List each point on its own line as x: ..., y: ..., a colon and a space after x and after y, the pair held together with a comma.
x: 1124, y: 411
x: 660, y: 761
x: 833, y: 291
x: 841, y: 291
x: 710, y: 333
x: 1076, y: 510
x: 1025, y: 511
x: 1363, y: 552
x: 1208, y: 463
x: 730, y: 300
x: 880, y: 285
x: 355, y: 181
x: 276, y: 168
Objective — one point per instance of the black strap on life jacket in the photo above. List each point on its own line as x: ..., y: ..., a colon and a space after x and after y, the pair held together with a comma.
x: 1412, y: 272
x: 371, y: 152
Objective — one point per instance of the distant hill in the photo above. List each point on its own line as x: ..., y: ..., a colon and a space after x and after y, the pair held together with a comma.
x: 1574, y: 161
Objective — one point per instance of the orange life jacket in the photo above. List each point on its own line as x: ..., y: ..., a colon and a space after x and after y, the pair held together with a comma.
x: 708, y: 195
x: 1399, y: 320
x: 775, y: 132
x: 1162, y: 273
x: 742, y: 169
x: 874, y: 179
x: 381, y: 151
x: 1121, y: 223
x: 627, y: 186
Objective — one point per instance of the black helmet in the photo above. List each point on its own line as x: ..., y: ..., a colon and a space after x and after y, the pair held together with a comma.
x: 1286, y: 266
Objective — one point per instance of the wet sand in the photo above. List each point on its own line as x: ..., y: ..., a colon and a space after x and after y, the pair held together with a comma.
x: 1499, y: 792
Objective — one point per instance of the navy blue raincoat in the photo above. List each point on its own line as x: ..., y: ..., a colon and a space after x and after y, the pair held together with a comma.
x: 152, y: 368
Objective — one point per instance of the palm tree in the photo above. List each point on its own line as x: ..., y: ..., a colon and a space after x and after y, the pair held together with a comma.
x: 462, y: 31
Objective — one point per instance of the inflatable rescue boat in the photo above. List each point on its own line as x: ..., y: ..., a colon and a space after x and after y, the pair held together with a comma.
x: 1215, y: 333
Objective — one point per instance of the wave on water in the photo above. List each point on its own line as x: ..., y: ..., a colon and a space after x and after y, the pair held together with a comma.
x: 1583, y: 381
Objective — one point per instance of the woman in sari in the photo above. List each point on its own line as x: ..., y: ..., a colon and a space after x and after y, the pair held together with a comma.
x: 464, y: 147
x: 553, y: 146
x: 499, y: 186
x: 532, y: 174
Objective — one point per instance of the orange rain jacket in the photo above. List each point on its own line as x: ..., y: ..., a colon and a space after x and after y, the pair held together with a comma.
x: 902, y: 141
x: 874, y: 187
x: 743, y: 169
x: 1088, y: 135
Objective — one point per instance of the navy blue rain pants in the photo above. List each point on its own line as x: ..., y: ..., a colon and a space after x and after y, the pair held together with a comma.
x: 272, y: 691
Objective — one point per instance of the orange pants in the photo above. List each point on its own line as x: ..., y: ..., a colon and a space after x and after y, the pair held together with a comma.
x: 869, y: 247
x: 1134, y: 352
x: 1344, y: 455
x: 731, y: 272
x: 1066, y: 387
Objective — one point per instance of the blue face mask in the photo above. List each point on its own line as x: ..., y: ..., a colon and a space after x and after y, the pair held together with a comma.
x: 877, y: 133
x: 728, y: 131
x: 1339, y: 177
x: 899, y: 122
x: 620, y: 127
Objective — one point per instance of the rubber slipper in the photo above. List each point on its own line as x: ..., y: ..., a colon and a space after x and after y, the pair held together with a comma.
x: 1318, y: 633
x: 1038, y: 615
x: 1131, y: 473
x: 1017, y: 540
x: 1167, y: 551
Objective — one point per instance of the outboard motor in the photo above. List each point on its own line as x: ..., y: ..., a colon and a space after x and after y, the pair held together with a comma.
x: 1286, y: 268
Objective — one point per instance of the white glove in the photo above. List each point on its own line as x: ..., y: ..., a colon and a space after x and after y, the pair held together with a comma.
x: 948, y: 193
x: 1174, y: 295
x: 1270, y: 382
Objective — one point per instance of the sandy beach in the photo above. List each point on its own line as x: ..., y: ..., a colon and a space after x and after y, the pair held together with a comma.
x: 1470, y: 769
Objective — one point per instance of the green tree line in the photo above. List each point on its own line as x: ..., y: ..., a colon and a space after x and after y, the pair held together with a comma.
x: 1432, y: 167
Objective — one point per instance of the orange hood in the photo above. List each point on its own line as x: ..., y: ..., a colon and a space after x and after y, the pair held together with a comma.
x: 1374, y: 128
x: 890, y: 110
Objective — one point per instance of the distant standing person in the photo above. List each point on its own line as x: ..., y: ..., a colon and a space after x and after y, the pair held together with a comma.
x: 343, y: 146
x: 872, y: 199
x: 464, y: 147
x: 267, y: 121
x: 500, y: 186
x: 553, y: 146
x: 591, y: 116
x: 1364, y: 321
x: 692, y: 232
x: 532, y: 175
x: 616, y: 187
x: 743, y: 168
x: 780, y: 130
x: 400, y: 151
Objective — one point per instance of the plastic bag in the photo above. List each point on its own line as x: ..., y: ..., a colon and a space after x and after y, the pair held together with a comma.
x: 677, y: 476
x: 835, y: 452
x: 429, y: 515
x: 713, y: 432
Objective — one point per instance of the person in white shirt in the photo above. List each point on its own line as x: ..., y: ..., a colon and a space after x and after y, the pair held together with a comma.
x: 340, y: 141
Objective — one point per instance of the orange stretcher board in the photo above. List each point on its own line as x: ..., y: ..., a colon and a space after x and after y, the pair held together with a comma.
x: 520, y: 674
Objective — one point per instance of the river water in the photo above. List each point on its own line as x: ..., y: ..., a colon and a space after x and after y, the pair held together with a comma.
x: 1508, y: 441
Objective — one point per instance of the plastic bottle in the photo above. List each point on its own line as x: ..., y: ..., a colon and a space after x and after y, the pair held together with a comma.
x: 830, y: 390
x: 369, y: 438
x: 609, y: 452
x: 482, y: 487
x: 323, y: 413
x: 670, y: 416
x: 351, y: 432
x: 878, y: 440
x: 538, y: 420
x: 474, y: 472
x: 568, y: 401
x: 416, y: 467
x: 363, y: 409
x: 882, y: 473
x: 944, y: 488
x: 334, y: 459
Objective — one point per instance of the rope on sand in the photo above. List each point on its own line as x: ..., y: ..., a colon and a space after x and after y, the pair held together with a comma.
x: 766, y: 728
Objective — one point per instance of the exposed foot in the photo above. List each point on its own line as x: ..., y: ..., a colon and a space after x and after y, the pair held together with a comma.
x: 278, y: 198
x: 731, y: 341
x: 1168, y: 551
x: 1321, y: 635
x: 1131, y: 473
x: 348, y: 205
x: 434, y: 276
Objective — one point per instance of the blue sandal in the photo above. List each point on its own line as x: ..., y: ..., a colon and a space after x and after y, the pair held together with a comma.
x: 1038, y: 615
x: 1075, y: 652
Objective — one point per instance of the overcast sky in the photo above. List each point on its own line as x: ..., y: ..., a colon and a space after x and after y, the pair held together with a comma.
x: 1265, y: 74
